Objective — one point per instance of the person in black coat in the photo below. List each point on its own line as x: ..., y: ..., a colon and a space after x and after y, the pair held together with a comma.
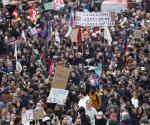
x: 84, y: 118
x: 100, y: 120
x: 125, y: 119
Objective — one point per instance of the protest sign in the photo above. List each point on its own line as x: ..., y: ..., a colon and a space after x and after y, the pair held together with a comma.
x: 97, y: 1
x: 57, y: 96
x: 5, y: 2
x: 137, y: 34
x: 74, y: 34
x: 61, y: 77
x: 48, y: 6
x: 38, y: 114
x: 55, y: 5
x: 35, y: 114
x: 94, y: 19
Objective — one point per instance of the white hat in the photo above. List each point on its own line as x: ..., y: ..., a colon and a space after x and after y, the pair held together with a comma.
x: 99, y: 115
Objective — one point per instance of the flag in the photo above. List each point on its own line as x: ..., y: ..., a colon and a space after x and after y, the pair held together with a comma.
x: 15, y: 51
x: 71, y: 23
x: 107, y: 35
x: 57, y: 4
x: 57, y: 38
x: 16, y: 15
x: 79, y: 36
x: 23, y: 36
x: 51, y: 67
x: 94, y: 80
x: 98, y: 70
x: 126, y: 42
x: 33, y: 15
x: 123, y: 22
x: 143, y: 23
x: 48, y: 31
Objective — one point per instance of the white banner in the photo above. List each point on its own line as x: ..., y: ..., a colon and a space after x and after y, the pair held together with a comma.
x: 94, y: 19
x: 58, y: 96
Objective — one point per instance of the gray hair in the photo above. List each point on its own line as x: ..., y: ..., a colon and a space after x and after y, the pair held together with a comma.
x: 125, y: 116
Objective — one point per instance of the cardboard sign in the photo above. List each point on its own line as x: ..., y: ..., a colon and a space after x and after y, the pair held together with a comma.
x: 58, y: 96
x: 38, y: 114
x: 35, y: 114
x: 94, y: 19
x: 61, y: 77
x: 74, y: 34
x: 137, y: 34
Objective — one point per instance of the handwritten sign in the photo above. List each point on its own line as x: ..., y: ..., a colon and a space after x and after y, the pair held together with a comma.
x: 94, y: 19
x: 38, y: 114
x: 73, y: 35
x: 58, y: 96
x: 35, y: 114
x: 61, y: 77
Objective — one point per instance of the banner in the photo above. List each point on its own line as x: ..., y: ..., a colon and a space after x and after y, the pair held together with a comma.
x: 94, y: 19
x: 61, y: 77
x: 58, y: 96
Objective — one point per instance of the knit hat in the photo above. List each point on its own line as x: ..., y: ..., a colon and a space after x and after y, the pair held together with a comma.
x: 99, y: 115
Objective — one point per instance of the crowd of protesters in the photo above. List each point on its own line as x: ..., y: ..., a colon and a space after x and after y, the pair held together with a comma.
x: 120, y: 95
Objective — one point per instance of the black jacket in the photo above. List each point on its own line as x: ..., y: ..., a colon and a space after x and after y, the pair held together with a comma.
x: 102, y: 121
x: 126, y: 122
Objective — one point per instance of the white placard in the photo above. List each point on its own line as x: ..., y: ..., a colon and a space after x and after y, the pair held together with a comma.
x: 58, y: 96
x: 94, y: 19
x: 5, y: 2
